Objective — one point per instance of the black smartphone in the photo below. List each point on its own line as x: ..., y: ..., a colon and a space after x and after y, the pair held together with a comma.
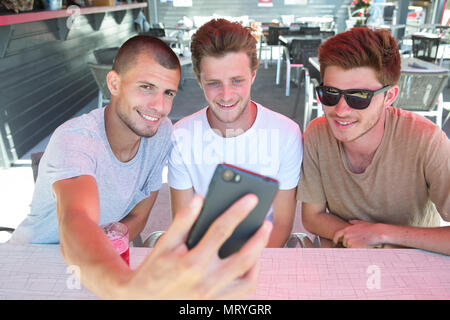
x: 230, y: 183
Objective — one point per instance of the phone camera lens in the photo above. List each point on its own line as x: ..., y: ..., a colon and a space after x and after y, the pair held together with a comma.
x: 237, y: 178
x: 228, y: 175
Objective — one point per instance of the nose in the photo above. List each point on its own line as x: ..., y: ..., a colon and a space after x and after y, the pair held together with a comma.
x: 157, y: 103
x: 227, y: 92
x: 342, y: 108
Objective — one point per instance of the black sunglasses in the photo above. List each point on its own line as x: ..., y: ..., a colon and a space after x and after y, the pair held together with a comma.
x: 355, y: 98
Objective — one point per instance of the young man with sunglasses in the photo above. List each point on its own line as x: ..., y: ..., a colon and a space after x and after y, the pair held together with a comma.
x: 372, y: 175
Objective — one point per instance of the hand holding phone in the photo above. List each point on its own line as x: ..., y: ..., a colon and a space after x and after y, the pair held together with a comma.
x: 230, y: 183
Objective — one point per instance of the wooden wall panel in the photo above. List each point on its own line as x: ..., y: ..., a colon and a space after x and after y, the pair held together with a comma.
x: 45, y: 80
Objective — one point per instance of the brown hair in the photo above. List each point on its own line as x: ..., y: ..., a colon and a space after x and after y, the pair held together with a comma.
x: 219, y: 37
x: 363, y: 47
x: 154, y: 47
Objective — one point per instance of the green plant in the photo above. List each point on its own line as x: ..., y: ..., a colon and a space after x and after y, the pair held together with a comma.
x: 360, y: 9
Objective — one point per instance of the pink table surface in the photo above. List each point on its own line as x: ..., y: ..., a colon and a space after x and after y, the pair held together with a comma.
x: 38, y: 272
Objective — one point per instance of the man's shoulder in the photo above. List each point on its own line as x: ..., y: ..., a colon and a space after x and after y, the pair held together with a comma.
x: 316, y: 127
x: 412, y: 124
x: 188, y: 121
x: 85, y: 125
x: 276, y: 119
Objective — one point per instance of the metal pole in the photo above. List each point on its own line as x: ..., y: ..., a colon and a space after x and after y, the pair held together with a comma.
x: 402, y: 15
x: 147, y: 12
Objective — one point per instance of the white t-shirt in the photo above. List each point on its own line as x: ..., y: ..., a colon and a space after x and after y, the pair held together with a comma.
x: 271, y: 147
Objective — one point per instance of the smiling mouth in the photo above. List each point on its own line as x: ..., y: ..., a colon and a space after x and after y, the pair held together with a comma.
x: 345, y: 123
x: 227, y: 106
x: 148, y: 118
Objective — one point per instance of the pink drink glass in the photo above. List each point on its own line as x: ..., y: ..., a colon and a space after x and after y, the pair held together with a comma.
x: 117, y: 233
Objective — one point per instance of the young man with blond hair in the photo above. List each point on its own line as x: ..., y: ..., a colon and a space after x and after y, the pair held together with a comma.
x: 233, y: 128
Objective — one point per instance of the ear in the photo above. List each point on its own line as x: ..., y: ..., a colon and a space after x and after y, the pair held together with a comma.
x: 197, y: 76
x: 113, y: 82
x: 253, y: 76
x: 391, y: 95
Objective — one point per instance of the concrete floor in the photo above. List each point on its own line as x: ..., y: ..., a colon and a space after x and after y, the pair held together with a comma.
x: 16, y: 183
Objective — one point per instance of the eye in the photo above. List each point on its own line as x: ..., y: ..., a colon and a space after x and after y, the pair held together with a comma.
x: 237, y: 81
x: 171, y: 94
x: 146, y: 87
x: 212, y: 84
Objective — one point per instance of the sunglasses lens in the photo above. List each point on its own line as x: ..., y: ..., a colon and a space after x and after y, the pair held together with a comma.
x: 358, y: 99
x: 328, y: 96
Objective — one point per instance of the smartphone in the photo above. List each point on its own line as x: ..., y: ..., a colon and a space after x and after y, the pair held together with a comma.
x: 230, y: 183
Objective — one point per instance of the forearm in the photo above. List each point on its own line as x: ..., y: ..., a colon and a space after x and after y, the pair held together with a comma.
x: 84, y: 245
x: 135, y: 224
x: 284, y: 206
x: 280, y: 234
x: 431, y: 239
x: 138, y: 217
x: 324, y: 224
x: 179, y: 199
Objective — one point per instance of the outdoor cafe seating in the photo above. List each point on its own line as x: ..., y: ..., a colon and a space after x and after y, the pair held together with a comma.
x: 297, y: 54
x: 99, y: 72
x: 425, y: 47
x: 271, y: 41
x: 421, y: 85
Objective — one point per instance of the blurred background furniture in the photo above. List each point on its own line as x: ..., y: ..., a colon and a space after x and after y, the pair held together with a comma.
x: 310, y: 31
x: 425, y: 47
x: 272, y: 41
x: 155, y: 32
x: 105, y: 55
x: 99, y: 71
x: 327, y: 34
x: 293, y: 60
x: 35, y: 159
x: 421, y: 84
x: 296, y: 240
x: 298, y: 51
x: 308, y: 92
x: 299, y: 240
x: 5, y: 231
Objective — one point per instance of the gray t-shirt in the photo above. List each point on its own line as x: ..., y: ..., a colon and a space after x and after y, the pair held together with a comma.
x: 80, y: 147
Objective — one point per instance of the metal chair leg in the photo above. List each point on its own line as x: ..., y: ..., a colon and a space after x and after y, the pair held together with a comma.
x: 299, y: 240
x: 151, y: 240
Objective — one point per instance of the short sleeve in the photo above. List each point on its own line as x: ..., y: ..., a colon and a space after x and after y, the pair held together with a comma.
x: 291, y: 160
x: 310, y: 188
x: 70, y: 154
x: 178, y: 175
x: 437, y: 172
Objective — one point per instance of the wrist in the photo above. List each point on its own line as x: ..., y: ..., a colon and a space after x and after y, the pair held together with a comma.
x: 384, y: 233
x: 116, y: 286
x: 115, y: 277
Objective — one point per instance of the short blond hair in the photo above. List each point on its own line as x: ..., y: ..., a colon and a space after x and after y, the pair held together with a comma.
x: 219, y: 37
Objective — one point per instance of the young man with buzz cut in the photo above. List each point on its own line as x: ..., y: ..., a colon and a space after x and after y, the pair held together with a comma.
x: 233, y: 128
x: 106, y: 166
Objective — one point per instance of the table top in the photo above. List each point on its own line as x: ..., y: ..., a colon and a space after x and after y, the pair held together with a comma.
x: 39, y: 272
x: 419, y: 66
